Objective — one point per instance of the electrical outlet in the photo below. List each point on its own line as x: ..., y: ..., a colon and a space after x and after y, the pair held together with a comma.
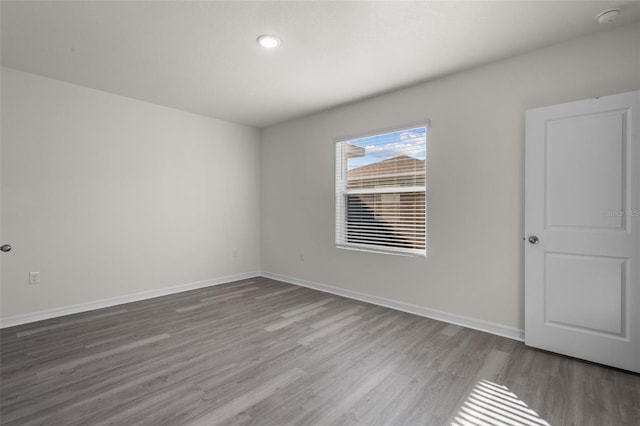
x: 34, y: 278
x: 301, y: 257
x: 235, y: 253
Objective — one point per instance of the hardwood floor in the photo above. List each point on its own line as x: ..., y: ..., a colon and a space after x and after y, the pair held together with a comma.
x: 261, y: 352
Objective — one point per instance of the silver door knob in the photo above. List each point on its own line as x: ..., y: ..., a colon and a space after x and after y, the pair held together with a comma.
x: 5, y: 247
x: 533, y: 239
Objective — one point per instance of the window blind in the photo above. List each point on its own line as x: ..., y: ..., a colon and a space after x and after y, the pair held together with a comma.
x: 381, y: 192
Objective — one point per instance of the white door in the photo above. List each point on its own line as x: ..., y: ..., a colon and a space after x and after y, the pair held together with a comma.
x: 582, y: 205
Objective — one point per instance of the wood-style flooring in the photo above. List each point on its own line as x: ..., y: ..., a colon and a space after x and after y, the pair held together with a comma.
x: 261, y: 352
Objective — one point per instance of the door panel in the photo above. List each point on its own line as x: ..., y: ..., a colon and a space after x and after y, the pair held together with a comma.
x: 582, y: 201
x: 600, y: 284
x: 578, y: 192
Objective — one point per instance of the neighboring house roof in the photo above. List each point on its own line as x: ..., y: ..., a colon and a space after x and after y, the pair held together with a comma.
x: 354, y: 151
x: 377, y: 220
x: 401, y: 164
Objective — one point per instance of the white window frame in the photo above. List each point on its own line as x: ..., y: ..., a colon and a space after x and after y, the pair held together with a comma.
x: 341, y: 192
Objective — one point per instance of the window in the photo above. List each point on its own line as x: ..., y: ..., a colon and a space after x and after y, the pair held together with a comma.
x: 381, y: 192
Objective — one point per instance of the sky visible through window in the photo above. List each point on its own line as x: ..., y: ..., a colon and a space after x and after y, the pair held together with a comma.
x: 410, y: 142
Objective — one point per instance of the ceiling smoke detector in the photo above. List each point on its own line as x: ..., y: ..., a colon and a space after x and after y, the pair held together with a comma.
x: 607, y: 16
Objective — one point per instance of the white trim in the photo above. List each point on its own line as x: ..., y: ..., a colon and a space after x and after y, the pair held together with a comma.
x: 118, y: 300
x: 476, y: 324
x: 384, y: 250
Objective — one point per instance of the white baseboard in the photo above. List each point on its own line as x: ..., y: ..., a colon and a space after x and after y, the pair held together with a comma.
x: 476, y: 324
x: 118, y: 300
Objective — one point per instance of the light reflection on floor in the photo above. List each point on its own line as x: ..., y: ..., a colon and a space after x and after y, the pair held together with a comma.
x: 490, y: 404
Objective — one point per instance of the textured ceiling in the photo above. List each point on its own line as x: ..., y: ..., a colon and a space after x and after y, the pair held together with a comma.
x: 202, y: 56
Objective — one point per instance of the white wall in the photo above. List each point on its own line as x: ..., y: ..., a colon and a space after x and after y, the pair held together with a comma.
x: 108, y: 196
x: 475, y: 170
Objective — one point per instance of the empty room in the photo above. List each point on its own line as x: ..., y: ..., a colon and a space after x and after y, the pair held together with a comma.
x: 320, y: 213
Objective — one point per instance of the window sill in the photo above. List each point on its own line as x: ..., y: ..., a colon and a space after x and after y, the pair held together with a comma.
x: 387, y: 250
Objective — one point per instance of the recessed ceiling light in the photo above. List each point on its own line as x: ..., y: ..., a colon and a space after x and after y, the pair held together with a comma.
x: 607, y: 16
x: 268, y: 41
